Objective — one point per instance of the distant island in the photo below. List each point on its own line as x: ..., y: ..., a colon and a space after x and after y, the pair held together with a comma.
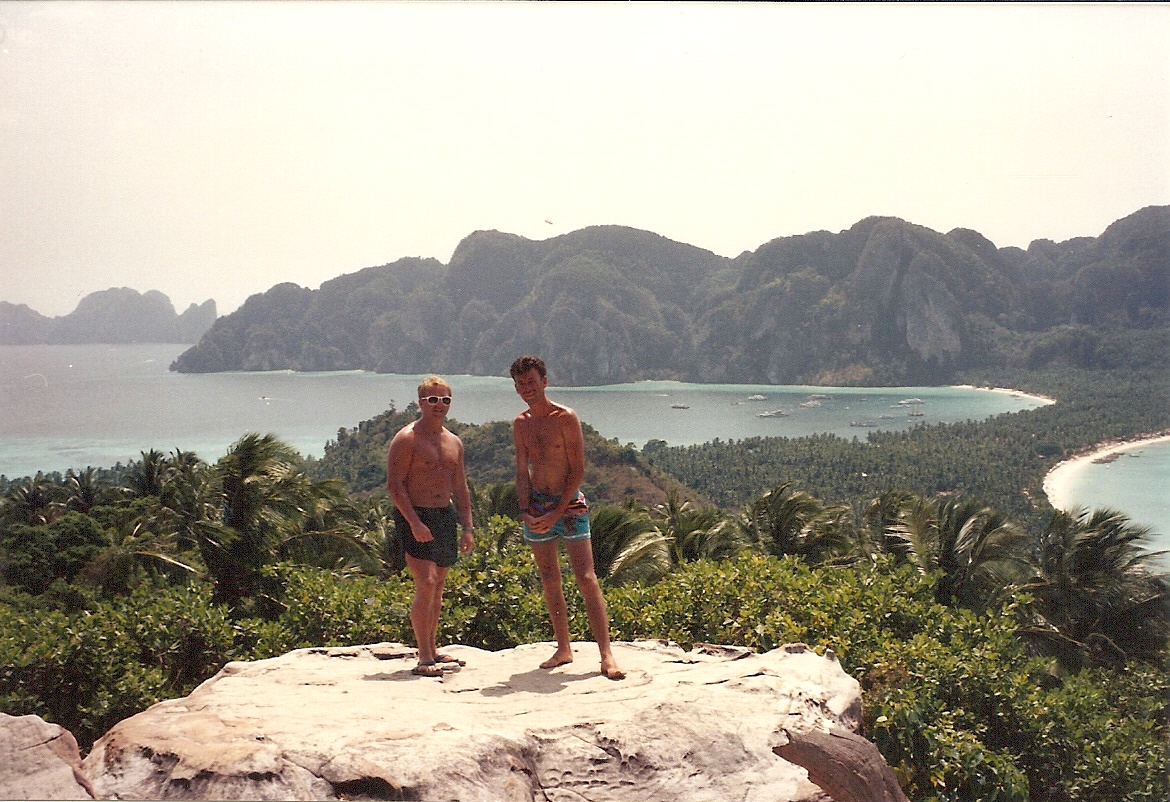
x: 116, y: 315
x: 884, y: 303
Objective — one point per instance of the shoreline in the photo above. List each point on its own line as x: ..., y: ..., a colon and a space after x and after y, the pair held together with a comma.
x: 1044, y: 400
x: 1058, y: 479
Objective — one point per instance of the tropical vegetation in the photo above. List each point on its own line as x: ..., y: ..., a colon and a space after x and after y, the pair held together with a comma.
x: 1001, y: 656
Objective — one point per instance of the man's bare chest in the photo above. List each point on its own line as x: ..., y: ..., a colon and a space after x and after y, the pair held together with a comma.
x: 544, y: 436
x: 433, y: 453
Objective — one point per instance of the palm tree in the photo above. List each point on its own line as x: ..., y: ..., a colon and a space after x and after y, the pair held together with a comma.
x: 779, y: 517
x: 31, y: 501
x: 331, y: 532
x: 1096, y: 597
x: 376, y: 520
x: 146, y: 477
x: 183, y: 501
x: 977, y: 552
x: 881, y: 514
x: 627, y: 546
x: 982, y: 555
x: 495, y: 498
x: 130, y: 551
x: 697, y: 534
x: 833, y: 537
x: 84, y: 489
x: 266, y: 504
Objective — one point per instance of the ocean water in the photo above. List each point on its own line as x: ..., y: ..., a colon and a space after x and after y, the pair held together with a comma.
x: 67, y: 407
x: 1137, y: 482
x: 96, y: 405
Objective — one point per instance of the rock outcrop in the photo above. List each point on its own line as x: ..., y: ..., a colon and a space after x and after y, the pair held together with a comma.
x: 39, y: 760
x: 116, y: 315
x: 354, y: 723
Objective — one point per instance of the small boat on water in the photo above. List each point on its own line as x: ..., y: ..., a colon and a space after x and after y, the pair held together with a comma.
x: 812, y: 402
x: 680, y: 406
x: 756, y: 398
x: 868, y: 424
x: 775, y: 413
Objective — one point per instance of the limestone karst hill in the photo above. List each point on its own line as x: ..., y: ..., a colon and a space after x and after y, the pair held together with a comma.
x: 884, y: 302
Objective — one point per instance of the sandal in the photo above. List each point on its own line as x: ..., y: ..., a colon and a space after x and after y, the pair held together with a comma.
x: 446, y: 658
x: 427, y: 669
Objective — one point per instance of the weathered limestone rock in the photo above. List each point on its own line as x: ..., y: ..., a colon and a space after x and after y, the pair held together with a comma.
x: 842, y: 763
x: 355, y: 723
x: 39, y: 760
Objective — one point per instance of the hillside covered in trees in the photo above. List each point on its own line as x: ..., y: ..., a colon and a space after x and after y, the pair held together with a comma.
x: 1005, y: 650
x: 885, y: 302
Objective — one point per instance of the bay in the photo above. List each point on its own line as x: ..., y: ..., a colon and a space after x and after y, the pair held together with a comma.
x: 76, y: 406
x: 1135, y: 479
x: 97, y: 405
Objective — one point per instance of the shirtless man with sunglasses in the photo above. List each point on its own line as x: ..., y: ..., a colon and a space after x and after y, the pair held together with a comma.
x: 426, y: 480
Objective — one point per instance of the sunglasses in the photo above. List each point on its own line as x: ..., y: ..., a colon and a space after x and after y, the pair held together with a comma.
x: 434, y: 399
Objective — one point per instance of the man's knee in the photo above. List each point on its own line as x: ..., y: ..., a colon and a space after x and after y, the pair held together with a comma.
x: 588, y: 582
x: 427, y: 576
x: 550, y: 575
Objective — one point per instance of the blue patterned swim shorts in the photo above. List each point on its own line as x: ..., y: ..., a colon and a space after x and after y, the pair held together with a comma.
x: 573, y: 525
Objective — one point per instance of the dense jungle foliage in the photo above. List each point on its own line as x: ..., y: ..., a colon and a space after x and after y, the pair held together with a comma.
x: 885, y: 302
x: 1005, y: 650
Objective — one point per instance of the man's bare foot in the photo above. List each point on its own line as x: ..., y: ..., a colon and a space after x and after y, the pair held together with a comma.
x: 610, y: 670
x: 558, y: 659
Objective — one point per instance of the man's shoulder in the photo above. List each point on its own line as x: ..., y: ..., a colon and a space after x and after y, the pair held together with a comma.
x: 564, y: 413
x: 405, y: 433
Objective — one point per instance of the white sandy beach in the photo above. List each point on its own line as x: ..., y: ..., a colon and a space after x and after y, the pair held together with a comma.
x: 1043, y: 400
x: 1058, y: 480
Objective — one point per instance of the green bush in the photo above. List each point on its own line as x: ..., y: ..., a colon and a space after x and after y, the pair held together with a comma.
x: 952, y: 699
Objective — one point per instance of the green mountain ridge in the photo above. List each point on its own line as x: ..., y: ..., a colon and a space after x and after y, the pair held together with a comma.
x: 884, y: 302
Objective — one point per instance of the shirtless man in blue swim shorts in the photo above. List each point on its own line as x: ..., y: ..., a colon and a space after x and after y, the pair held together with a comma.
x: 550, y: 464
x: 426, y: 480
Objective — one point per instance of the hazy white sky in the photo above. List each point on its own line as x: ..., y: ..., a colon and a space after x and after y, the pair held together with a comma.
x: 213, y: 149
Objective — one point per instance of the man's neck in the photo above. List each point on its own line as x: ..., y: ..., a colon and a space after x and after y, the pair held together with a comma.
x: 429, y: 426
x: 541, y: 406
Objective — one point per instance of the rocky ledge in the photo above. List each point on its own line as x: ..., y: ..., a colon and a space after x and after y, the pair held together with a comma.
x: 354, y: 723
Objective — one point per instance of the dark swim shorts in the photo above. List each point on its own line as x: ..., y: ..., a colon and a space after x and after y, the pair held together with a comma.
x: 442, y: 521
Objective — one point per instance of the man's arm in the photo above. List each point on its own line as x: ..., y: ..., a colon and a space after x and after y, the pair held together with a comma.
x: 398, y: 460
x: 574, y: 441
x: 523, y: 477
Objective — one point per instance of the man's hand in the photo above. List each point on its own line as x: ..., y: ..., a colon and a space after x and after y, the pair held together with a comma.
x: 540, y: 523
x: 421, y: 533
x: 468, y: 542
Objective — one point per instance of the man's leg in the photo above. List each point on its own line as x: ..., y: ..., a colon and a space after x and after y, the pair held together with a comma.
x: 428, y: 600
x: 581, y: 560
x: 548, y: 563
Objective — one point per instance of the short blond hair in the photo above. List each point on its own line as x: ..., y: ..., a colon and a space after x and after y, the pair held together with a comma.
x: 432, y: 382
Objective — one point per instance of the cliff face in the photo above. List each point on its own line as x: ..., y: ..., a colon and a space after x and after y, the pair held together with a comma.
x: 355, y: 723
x: 116, y: 315
x: 884, y: 302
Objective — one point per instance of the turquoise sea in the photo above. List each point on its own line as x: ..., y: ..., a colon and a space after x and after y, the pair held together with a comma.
x: 97, y: 405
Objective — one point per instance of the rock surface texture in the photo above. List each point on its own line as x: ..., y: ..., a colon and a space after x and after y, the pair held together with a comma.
x: 39, y: 760
x: 354, y: 723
